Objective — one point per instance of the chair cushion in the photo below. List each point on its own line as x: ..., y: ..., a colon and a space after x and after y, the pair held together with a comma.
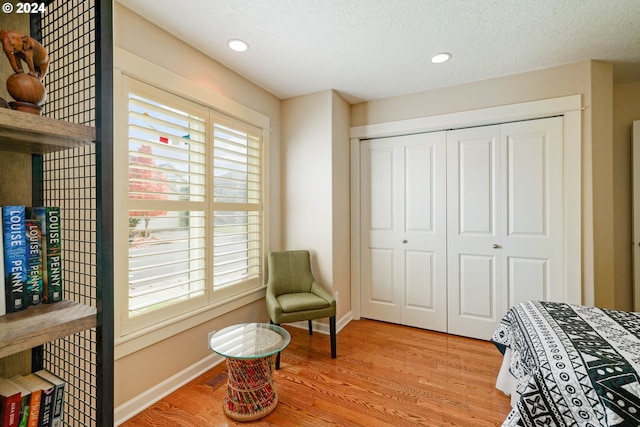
x: 301, y: 301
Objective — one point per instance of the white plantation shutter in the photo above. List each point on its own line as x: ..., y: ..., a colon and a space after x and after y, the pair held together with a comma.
x: 167, y: 256
x: 168, y: 148
x: 194, y: 206
x: 237, y: 190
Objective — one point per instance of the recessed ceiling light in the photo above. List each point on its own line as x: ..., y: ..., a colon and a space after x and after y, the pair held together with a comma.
x: 238, y: 45
x: 441, y: 57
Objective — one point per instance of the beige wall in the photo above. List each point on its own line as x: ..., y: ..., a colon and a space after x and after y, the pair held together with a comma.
x: 601, y: 113
x: 341, y: 204
x: 626, y: 109
x: 139, y: 372
x: 145, y: 370
x: 542, y: 84
x: 592, y: 80
x: 306, y: 200
x: 315, y: 192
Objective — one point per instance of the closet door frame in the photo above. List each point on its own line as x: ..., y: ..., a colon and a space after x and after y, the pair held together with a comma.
x: 570, y: 107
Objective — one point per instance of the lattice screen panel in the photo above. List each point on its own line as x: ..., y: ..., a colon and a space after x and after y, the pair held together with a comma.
x: 67, y: 30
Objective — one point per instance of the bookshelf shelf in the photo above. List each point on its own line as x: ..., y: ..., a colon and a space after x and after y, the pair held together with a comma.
x: 31, y: 133
x: 43, y: 323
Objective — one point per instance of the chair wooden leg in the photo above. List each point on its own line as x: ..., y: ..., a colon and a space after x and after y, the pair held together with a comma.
x: 310, y: 328
x: 332, y: 331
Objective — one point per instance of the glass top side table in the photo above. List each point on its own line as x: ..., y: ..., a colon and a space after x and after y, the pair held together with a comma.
x: 249, y: 348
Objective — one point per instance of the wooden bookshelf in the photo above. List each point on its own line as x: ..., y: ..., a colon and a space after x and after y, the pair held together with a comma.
x: 31, y: 133
x: 23, y: 134
x: 43, y: 323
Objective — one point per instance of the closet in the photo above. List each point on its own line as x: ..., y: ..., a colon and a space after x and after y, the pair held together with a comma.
x: 456, y: 226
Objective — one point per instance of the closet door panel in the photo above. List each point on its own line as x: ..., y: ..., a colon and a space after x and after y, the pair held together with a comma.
x: 423, y: 239
x: 404, y: 224
x: 477, y: 284
x: 534, y: 205
x: 382, y: 189
x: 526, y: 182
x: 475, y: 292
x: 419, y: 179
x: 380, y: 273
x: 476, y: 189
x: 419, y: 280
x: 528, y: 279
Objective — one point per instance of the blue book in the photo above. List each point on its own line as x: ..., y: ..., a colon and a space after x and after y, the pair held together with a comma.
x: 58, y: 396
x: 15, y: 258
x: 3, y: 294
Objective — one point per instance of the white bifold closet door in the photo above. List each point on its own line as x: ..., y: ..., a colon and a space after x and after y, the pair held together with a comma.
x: 505, y: 221
x: 404, y: 230
x: 457, y: 226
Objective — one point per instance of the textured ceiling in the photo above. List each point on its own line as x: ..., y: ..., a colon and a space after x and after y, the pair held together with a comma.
x: 372, y: 49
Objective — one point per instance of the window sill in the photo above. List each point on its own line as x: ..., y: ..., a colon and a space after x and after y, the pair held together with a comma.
x: 138, y: 340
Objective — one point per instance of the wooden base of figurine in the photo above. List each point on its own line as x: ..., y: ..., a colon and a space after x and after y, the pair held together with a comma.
x: 26, y: 107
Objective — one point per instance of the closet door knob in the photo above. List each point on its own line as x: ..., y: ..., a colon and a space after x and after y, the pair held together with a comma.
x: 405, y: 241
x: 495, y: 246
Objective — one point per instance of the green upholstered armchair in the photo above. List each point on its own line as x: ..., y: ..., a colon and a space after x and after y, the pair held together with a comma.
x: 293, y: 295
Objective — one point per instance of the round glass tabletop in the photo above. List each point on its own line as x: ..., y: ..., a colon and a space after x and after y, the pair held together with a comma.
x: 249, y: 340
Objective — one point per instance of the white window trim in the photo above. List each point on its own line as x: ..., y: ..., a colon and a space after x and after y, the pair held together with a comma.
x: 125, y: 63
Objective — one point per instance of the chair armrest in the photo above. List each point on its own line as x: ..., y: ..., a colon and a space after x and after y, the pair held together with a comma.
x: 322, y: 293
x: 273, y: 306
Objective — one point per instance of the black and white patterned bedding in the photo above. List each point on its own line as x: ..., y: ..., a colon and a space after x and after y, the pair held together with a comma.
x: 572, y: 365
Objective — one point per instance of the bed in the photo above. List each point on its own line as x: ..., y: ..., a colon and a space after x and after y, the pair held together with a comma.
x: 569, y: 365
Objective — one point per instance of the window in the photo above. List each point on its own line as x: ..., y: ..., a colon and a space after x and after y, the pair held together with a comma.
x: 195, y: 217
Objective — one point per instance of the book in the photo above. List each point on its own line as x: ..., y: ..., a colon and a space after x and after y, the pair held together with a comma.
x: 33, y: 417
x: 34, y: 261
x: 36, y: 384
x: 58, y: 395
x: 15, y: 257
x: 25, y: 399
x: 10, y: 401
x: 3, y: 297
x: 49, y: 218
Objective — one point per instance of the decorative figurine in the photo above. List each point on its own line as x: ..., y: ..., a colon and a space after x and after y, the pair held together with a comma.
x: 27, y: 89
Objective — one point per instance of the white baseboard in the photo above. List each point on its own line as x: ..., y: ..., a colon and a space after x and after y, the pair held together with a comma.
x: 141, y: 402
x: 323, y: 327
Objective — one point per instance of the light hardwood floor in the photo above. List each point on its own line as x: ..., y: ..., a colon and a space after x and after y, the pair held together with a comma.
x: 385, y: 375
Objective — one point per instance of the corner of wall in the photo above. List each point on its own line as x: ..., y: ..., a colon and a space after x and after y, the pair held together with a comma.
x: 601, y: 112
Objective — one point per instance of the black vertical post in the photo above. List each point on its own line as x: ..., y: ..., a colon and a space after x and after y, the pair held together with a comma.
x: 104, y: 205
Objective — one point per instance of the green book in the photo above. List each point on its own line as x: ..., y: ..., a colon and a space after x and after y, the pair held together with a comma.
x: 50, y: 223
